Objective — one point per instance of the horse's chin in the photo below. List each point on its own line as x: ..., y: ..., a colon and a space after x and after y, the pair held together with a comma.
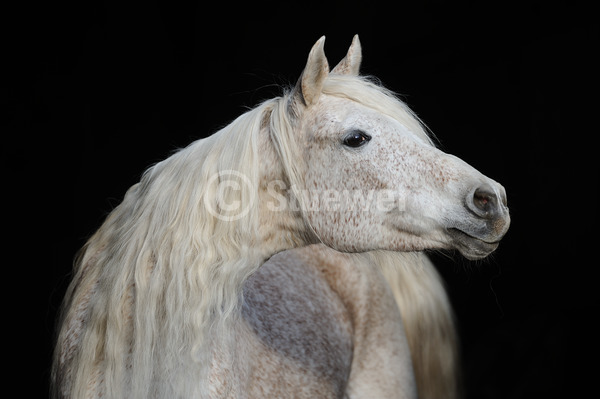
x: 471, y: 247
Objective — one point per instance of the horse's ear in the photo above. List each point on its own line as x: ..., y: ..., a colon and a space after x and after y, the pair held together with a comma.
x: 351, y: 62
x: 309, y: 86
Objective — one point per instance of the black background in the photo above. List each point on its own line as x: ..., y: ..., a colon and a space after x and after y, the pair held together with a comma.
x: 97, y: 92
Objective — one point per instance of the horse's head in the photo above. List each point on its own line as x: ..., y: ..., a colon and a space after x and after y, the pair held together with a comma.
x: 369, y: 176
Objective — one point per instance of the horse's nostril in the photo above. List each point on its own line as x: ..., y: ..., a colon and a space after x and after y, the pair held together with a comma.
x: 484, y: 201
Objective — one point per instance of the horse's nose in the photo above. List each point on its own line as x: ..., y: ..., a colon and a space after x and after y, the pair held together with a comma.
x: 487, y: 202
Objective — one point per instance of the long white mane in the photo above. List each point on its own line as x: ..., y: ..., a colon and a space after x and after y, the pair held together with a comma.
x: 163, y: 272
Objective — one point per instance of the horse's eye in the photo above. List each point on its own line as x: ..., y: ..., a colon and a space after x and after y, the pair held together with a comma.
x: 356, y: 138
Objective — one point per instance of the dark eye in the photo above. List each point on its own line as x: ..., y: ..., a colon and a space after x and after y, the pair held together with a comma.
x: 356, y: 138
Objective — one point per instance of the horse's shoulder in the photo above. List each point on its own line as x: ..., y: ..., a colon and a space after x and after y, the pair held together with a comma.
x: 300, y: 333
x: 302, y: 293
x: 380, y: 355
x: 355, y: 279
x: 289, y: 303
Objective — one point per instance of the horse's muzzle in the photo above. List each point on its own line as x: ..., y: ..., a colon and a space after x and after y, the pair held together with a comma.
x: 487, y: 222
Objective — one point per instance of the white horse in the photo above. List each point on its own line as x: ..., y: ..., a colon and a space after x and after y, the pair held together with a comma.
x: 211, y: 279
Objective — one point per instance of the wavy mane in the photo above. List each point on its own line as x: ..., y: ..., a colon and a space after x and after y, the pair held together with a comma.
x: 162, y: 272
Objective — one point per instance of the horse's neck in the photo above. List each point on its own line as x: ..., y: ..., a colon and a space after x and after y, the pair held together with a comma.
x: 279, y: 231
x: 281, y: 225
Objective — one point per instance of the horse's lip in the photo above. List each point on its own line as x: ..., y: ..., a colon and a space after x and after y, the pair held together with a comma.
x: 471, y: 247
x: 456, y: 232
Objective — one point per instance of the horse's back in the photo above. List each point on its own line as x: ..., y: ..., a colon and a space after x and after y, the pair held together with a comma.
x: 317, y: 323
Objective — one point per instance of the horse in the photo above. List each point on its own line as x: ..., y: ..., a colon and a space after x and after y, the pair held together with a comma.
x: 282, y: 256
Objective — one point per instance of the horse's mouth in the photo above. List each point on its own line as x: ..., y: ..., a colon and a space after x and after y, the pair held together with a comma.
x: 471, y: 247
